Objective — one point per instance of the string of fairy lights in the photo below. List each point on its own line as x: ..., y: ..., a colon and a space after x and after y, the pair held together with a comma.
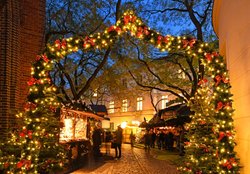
x: 213, y: 93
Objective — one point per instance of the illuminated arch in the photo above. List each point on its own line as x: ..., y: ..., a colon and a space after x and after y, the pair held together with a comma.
x: 216, y: 84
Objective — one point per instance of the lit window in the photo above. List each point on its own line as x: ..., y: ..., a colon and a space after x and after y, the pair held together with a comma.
x: 111, y: 107
x: 124, y: 105
x: 164, y: 100
x: 139, y: 103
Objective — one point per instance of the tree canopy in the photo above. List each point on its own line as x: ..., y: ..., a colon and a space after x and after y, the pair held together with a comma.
x: 77, y: 74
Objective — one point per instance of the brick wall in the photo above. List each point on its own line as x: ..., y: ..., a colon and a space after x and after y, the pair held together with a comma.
x: 21, y: 39
x: 32, y: 31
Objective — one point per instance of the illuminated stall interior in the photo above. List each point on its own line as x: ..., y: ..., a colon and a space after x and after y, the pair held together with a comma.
x: 75, y: 124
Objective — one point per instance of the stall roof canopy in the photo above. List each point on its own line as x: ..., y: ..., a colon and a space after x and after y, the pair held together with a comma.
x: 85, y: 114
x: 99, y: 109
x: 176, y: 115
x: 179, y: 109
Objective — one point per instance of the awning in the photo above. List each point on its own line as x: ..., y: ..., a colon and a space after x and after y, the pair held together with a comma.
x: 85, y: 114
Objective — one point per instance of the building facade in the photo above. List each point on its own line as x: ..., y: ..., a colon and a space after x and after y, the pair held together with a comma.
x: 22, y: 25
x: 232, y: 24
x: 131, y: 111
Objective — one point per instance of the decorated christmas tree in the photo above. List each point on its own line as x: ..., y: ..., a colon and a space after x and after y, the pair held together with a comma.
x: 210, y: 136
x: 34, y: 143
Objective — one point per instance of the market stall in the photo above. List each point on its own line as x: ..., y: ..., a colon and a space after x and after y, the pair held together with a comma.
x: 76, y: 127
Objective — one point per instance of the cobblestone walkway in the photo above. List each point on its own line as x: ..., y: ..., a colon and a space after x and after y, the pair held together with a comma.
x: 133, y: 161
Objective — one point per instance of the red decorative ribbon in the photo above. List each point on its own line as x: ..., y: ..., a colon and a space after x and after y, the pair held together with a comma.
x: 221, y: 105
x: 202, y: 81
x: 141, y: 31
x: 60, y: 44
x: 209, y: 56
x: 161, y: 39
x: 44, y: 57
x: 88, y: 40
x: 219, y: 79
x: 26, y: 132
x: 113, y: 28
x: 24, y: 162
x: 33, y: 81
x: 29, y: 106
x: 52, y: 108
x: 129, y: 18
x: 223, y: 134
x: 190, y: 43
x: 229, y: 163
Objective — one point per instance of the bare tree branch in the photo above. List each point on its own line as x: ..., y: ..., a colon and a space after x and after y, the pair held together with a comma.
x: 158, y: 77
x: 153, y: 87
x: 71, y: 84
x: 152, y: 101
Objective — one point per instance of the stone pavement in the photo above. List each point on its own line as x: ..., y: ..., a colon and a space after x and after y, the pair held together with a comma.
x: 133, y: 161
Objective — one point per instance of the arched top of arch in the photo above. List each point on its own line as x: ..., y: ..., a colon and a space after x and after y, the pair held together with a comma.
x: 128, y: 23
x: 40, y: 83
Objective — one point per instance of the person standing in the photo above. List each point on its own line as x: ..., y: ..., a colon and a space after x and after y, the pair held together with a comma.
x: 132, y: 139
x: 97, y: 141
x: 118, y: 142
x: 108, y: 139
x: 147, y: 141
x: 170, y: 142
x: 153, y: 138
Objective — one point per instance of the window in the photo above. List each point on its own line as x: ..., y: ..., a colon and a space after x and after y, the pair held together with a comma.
x: 139, y: 103
x: 164, y: 100
x: 125, y: 105
x: 111, y: 107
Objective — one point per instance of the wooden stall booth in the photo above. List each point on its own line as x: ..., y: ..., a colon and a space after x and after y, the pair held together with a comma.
x: 75, y: 134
